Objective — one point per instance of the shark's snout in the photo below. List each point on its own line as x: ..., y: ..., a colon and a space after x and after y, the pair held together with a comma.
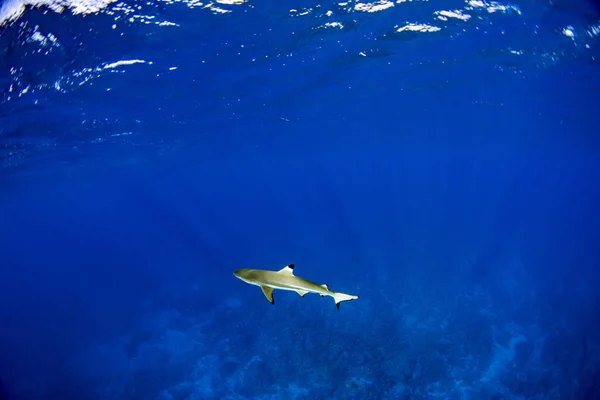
x: 240, y: 273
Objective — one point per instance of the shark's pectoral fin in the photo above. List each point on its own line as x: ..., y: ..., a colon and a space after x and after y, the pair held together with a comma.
x: 268, y: 291
x: 302, y: 292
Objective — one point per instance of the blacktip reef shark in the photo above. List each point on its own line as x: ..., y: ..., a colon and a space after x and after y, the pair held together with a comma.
x: 284, y: 279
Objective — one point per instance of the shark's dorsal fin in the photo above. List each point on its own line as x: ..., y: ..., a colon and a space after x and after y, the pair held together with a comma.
x: 287, y: 270
x: 268, y: 291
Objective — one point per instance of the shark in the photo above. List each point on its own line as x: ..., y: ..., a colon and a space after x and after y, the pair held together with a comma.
x: 284, y: 279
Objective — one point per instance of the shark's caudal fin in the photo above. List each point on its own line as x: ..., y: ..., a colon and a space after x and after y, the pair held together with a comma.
x: 339, y: 297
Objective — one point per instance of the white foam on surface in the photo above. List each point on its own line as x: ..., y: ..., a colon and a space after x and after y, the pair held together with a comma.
x: 11, y: 10
x: 123, y: 62
x: 373, y: 7
x: 493, y: 6
x: 418, y: 28
x: 456, y: 14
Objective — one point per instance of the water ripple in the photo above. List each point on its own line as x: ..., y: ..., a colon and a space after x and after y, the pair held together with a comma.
x: 231, y: 54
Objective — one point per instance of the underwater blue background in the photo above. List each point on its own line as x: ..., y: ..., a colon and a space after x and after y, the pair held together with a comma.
x: 440, y: 159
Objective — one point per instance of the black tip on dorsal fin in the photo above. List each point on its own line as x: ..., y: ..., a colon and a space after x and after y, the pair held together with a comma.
x: 337, y: 305
x: 291, y: 266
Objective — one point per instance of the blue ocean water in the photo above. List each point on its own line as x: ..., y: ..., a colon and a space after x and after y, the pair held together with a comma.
x: 439, y: 159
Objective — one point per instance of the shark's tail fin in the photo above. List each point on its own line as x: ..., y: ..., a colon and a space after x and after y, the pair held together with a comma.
x: 339, y: 297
